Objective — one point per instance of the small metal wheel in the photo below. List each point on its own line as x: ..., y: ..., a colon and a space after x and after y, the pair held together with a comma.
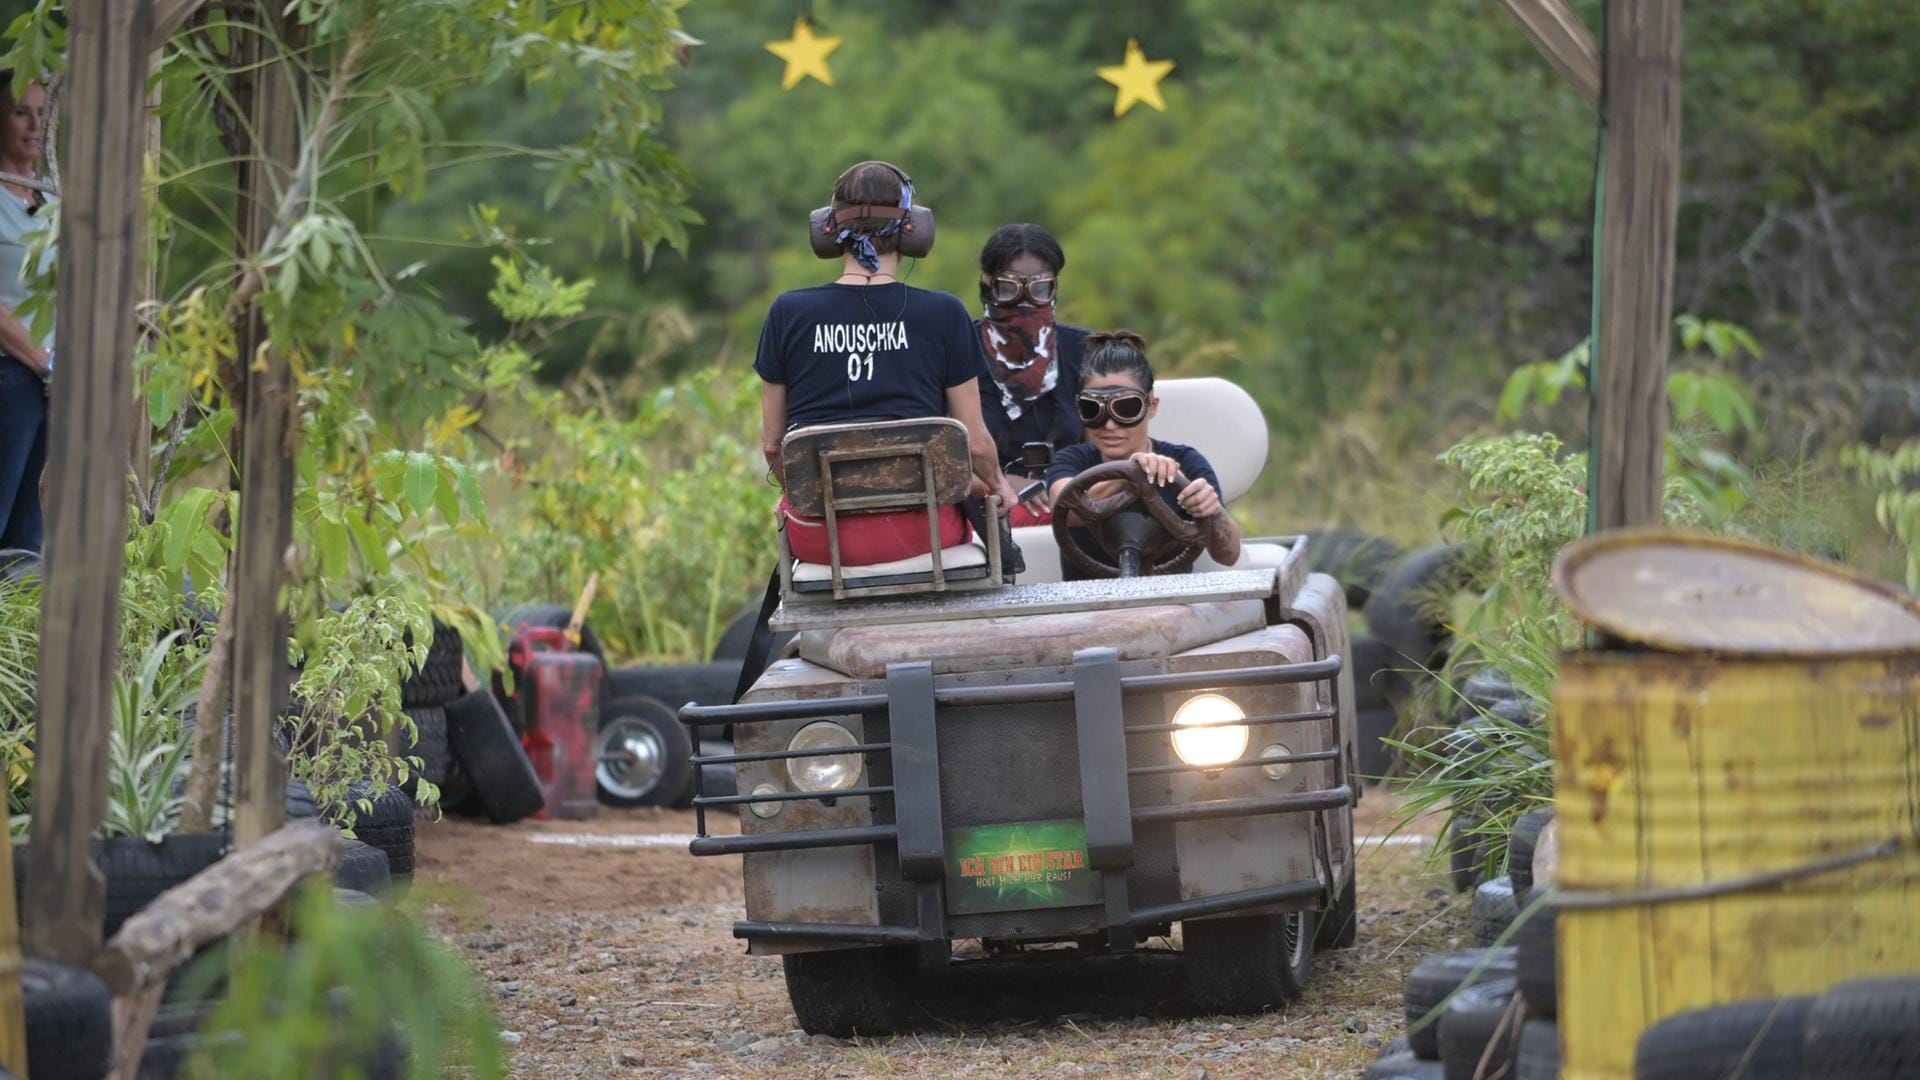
x: 645, y: 754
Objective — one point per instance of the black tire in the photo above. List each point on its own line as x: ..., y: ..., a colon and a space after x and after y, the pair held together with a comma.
x: 430, y: 741
x: 20, y: 565
x: 1358, y: 561
x: 1494, y: 910
x: 555, y: 617
x: 1379, y: 673
x: 1484, y: 689
x: 1436, y: 978
x: 1377, y: 759
x: 387, y: 825
x: 438, y: 679
x: 657, y: 769
x: 1520, y: 845
x: 1539, y: 957
x: 137, y: 872
x: 1466, y: 855
x: 1406, y: 611
x: 489, y: 753
x: 362, y: 868
x: 733, y: 640
x: 1864, y: 1030
x: 1403, y: 1064
x: 1539, y: 1051
x: 1338, y: 927
x: 1753, y: 1040
x: 1480, y: 1022
x: 300, y: 802
x: 849, y: 992
x: 674, y: 685
x: 1250, y: 963
x: 69, y: 1022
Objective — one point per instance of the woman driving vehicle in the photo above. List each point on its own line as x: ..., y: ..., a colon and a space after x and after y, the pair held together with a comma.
x: 1115, y: 404
x: 869, y: 347
x: 1033, y: 362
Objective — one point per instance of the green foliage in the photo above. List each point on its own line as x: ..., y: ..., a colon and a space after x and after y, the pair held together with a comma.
x: 147, y: 751
x: 19, y: 660
x: 1894, y: 475
x: 320, y: 1008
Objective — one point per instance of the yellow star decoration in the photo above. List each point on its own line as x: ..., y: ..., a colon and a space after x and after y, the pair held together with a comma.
x: 1138, y: 79
x: 805, y: 55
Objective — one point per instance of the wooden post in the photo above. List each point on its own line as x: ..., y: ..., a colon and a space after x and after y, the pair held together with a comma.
x: 139, y: 449
x: 1566, y: 41
x: 13, y: 1017
x: 1639, y: 194
x: 265, y: 528
x: 87, y: 473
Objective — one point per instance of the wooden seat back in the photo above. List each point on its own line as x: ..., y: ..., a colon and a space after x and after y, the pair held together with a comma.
x: 875, y: 465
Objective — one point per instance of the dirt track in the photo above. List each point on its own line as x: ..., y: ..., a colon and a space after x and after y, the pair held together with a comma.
x: 618, y: 961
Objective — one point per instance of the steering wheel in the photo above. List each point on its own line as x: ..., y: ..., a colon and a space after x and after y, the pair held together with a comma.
x: 1174, y: 553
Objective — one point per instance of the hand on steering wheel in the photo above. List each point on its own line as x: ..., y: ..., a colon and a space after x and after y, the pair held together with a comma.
x: 1184, y: 541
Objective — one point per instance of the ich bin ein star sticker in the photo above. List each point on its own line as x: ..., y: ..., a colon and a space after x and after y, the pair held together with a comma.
x: 1138, y: 79
x: 805, y: 55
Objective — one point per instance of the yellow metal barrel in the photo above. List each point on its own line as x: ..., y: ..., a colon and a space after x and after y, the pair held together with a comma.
x: 1738, y: 795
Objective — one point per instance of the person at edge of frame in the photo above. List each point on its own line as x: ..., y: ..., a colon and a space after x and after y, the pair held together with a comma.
x: 26, y: 363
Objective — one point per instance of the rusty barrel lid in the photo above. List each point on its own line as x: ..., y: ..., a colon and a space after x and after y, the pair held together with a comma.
x: 1690, y: 592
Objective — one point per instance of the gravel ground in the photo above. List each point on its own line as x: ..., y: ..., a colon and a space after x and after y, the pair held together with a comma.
x: 613, y: 959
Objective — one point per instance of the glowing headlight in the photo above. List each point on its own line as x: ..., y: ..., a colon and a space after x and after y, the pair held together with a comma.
x: 1280, y: 769
x: 764, y: 809
x: 1212, y: 737
x: 830, y: 772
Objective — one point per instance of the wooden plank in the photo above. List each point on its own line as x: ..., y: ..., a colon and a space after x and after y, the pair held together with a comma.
x: 265, y: 528
x: 1639, y: 204
x: 13, y: 1018
x: 140, y: 448
x: 87, y: 471
x: 1565, y: 40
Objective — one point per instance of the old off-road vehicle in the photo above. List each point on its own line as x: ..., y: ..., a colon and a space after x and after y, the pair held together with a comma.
x: 1088, y: 763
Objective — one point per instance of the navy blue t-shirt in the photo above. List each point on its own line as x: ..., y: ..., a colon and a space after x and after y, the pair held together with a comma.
x: 1078, y: 458
x: 867, y: 352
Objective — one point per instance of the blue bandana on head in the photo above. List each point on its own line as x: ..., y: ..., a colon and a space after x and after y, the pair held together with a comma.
x: 863, y: 250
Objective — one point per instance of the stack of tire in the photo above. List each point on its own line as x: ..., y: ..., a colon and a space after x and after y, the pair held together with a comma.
x: 1487, y: 1011
x: 1361, y: 563
x: 425, y: 695
x: 1868, y: 1029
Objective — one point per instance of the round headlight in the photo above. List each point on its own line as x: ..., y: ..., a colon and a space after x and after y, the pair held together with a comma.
x: 828, y: 772
x: 1211, y: 735
x: 1281, y: 769
x: 764, y: 809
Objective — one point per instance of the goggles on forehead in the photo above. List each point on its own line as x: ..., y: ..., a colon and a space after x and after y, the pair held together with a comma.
x: 1009, y: 288
x: 1127, y: 408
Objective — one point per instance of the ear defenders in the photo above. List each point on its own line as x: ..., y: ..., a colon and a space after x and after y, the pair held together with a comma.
x: 915, y: 228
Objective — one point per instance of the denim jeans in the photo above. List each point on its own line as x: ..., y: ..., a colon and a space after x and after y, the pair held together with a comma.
x: 23, y: 452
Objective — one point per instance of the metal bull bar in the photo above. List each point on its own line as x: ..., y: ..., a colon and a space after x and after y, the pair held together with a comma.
x: 1097, y: 690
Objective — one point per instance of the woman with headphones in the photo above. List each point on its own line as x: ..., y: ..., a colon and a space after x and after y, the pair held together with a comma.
x: 867, y: 346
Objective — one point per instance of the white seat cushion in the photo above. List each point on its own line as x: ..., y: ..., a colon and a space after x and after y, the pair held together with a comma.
x: 1253, y: 556
x: 958, y: 557
x: 1221, y: 421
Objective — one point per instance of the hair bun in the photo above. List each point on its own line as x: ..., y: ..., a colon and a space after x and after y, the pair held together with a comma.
x: 1128, y: 338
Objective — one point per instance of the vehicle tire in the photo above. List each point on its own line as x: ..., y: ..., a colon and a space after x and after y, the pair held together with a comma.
x: 1466, y: 855
x: 1526, y: 833
x: 20, y: 566
x: 300, y: 802
x: 136, y: 871
x: 1493, y: 911
x: 1866, y: 1028
x: 1339, y: 926
x: 490, y: 755
x: 1436, y: 978
x: 363, y: 868
x: 1250, y: 963
x: 1754, y: 1040
x: 69, y: 1022
x: 387, y: 825
x: 1407, y: 611
x: 849, y: 992
x: 1539, y: 1051
x: 733, y: 640
x: 658, y: 750
x: 1397, y: 1062
x: 1539, y: 958
x: 438, y: 679
x: 1358, y: 561
x: 1377, y: 759
x: 1481, y: 1022
x: 430, y: 741
x: 556, y: 617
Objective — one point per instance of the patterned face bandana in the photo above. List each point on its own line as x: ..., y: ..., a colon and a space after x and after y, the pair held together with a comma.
x: 1022, y: 353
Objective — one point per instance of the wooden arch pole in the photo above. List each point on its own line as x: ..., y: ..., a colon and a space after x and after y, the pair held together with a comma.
x: 1639, y: 200
x: 99, y: 268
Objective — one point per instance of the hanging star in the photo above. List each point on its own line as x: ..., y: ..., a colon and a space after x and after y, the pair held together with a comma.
x: 1138, y: 79
x: 805, y: 55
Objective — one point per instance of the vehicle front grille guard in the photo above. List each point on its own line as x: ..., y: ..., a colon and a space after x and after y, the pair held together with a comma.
x: 1097, y: 690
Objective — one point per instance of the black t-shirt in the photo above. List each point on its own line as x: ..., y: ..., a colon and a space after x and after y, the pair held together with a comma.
x: 1078, y: 458
x: 867, y: 352
x: 1050, y: 418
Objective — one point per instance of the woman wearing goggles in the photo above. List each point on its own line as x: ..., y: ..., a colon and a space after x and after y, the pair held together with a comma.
x: 1033, y: 361
x: 1115, y: 405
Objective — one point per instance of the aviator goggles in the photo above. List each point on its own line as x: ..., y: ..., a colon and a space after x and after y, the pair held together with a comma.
x: 1009, y: 288
x: 1126, y: 408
